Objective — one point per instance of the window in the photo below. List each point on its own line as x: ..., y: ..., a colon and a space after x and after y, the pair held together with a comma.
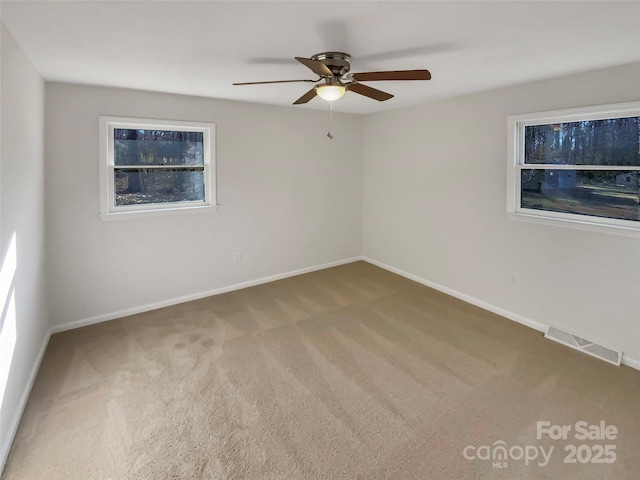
x: 150, y: 167
x: 577, y: 167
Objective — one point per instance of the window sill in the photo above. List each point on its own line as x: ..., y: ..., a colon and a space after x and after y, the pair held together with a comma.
x: 158, y: 212
x: 575, y: 224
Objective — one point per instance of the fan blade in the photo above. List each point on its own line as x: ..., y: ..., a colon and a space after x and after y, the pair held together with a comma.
x: 275, y: 81
x: 392, y: 75
x: 316, y: 66
x: 369, y: 92
x: 306, y: 97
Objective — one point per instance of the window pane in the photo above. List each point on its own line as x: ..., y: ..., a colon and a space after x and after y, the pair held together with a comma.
x: 592, y: 142
x: 600, y: 193
x: 159, y: 185
x: 157, y: 147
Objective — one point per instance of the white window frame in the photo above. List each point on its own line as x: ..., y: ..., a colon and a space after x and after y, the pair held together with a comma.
x: 108, y: 208
x: 515, y: 163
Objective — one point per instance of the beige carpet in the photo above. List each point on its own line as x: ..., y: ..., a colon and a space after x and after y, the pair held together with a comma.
x: 350, y: 372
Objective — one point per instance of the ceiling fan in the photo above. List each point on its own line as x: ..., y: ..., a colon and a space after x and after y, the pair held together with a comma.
x: 333, y: 69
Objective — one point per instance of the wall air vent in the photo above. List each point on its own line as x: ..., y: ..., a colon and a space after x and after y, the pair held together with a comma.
x: 584, y: 345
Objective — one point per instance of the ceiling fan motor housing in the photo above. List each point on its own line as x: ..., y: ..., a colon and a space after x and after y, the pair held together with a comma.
x: 338, y: 62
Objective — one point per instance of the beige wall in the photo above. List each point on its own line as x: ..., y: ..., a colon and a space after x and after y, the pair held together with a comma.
x: 434, y: 185
x: 289, y: 199
x: 22, y: 288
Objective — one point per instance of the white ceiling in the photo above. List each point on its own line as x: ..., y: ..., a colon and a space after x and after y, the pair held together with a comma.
x: 202, y: 47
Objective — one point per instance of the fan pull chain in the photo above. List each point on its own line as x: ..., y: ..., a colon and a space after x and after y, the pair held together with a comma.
x: 329, y: 136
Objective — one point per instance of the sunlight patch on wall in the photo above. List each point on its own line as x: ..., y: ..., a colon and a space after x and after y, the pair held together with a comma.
x: 8, y: 319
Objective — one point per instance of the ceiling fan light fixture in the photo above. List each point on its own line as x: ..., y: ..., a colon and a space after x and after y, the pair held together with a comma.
x: 330, y: 92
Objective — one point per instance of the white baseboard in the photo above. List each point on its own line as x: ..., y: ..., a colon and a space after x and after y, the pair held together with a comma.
x: 17, y: 416
x: 196, y: 296
x: 541, y: 327
x: 454, y: 293
x: 631, y: 362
